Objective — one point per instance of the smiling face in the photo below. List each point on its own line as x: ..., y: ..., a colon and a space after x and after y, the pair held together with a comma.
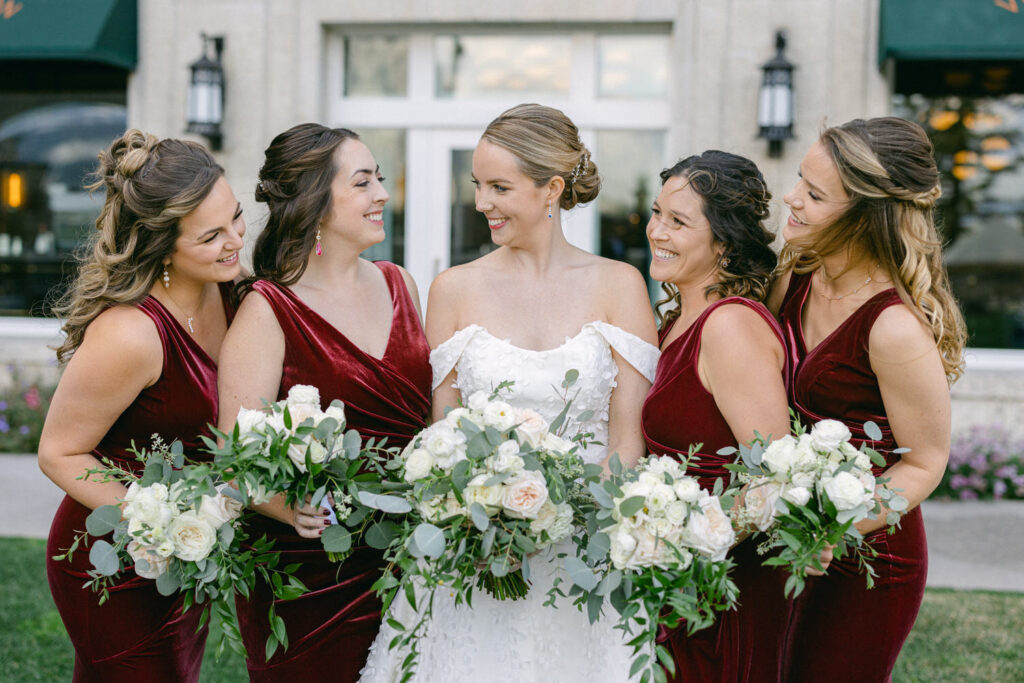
x: 357, y: 197
x: 210, y: 238
x: 818, y: 198
x: 683, y: 250
x: 512, y: 203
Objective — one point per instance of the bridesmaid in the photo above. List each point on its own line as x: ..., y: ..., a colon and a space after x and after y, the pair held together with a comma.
x: 318, y: 314
x: 144, y: 323
x: 720, y: 379
x: 874, y: 334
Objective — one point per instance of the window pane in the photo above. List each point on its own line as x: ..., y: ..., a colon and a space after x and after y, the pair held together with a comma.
x: 388, y: 148
x: 470, y: 238
x: 979, y: 147
x: 47, y: 152
x: 632, y: 66
x: 376, y: 65
x: 629, y: 163
x: 473, y: 66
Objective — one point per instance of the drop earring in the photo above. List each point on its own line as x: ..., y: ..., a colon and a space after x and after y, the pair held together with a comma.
x: 724, y: 263
x: 319, y: 247
x: 166, y: 278
x: 549, y: 209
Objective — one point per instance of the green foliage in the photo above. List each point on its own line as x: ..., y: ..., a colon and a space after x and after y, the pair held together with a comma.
x: 23, y: 406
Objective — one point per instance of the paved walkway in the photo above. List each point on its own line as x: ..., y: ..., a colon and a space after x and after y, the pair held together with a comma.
x: 972, y: 545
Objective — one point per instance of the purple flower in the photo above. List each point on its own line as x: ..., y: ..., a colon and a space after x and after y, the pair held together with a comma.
x: 4, y: 427
x: 968, y: 494
x: 957, y: 481
x: 998, y: 489
x: 3, y: 405
x: 23, y: 430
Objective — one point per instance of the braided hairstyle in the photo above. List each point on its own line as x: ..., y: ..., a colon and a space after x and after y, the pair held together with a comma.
x: 736, y: 202
x: 547, y: 144
x: 150, y: 186
x: 887, y: 167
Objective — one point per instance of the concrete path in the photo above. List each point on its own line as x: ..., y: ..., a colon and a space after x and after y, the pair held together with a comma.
x: 972, y: 545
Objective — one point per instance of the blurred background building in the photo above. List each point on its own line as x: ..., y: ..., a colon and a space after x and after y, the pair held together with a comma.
x: 647, y: 81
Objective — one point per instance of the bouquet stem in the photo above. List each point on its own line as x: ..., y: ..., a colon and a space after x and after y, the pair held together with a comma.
x: 512, y: 586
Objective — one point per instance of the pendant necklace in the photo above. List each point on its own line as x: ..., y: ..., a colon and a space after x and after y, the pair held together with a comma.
x: 188, y: 318
x: 862, y: 285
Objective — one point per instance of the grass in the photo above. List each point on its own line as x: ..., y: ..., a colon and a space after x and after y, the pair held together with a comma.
x: 959, y: 635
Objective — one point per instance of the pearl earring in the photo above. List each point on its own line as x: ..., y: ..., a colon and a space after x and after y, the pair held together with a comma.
x: 319, y: 248
x: 167, y: 278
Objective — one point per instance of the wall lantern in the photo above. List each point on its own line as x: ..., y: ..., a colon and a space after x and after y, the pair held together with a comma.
x: 775, y: 105
x: 206, y: 92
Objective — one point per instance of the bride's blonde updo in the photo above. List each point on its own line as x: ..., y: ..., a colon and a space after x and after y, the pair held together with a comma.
x: 887, y: 167
x: 547, y: 144
x: 150, y: 185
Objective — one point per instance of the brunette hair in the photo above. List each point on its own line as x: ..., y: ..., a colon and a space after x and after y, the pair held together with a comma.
x: 295, y: 184
x: 736, y: 202
x: 887, y: 167
x: 150, y: 186
x: 547, y: 144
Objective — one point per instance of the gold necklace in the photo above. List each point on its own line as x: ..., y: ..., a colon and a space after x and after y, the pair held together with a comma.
x: 862, y: 285
x: 188, y: 318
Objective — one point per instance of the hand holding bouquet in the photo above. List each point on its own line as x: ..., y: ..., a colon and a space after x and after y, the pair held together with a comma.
x: 806, y: 492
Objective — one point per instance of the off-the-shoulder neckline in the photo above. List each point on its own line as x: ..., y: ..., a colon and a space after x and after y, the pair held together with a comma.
x: 569, y: 339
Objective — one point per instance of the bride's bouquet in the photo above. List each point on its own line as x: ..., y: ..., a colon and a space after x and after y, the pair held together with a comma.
x: 490, y: 485
x: 806, y: 491
x: 179, y: 525
x: 657, y: 552
x: 297, y: 449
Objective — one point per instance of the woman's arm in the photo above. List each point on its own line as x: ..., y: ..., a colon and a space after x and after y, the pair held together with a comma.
x: 120, y: 356
x: 442, y: 323
x: 915, y: 393
x: 414, y: 292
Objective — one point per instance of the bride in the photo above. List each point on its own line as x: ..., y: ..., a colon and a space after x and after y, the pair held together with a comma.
x: 528, y: 312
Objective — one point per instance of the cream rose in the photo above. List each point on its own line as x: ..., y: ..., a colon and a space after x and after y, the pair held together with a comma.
x: 148, y: 504
x: 530, y: 426
x: 297, y: 454
x: 828, y: 434
x: 759, y: 503
x: 418, y: 464
x: 445, y: 444
x: 622, y: 547
x: 524, y: 494
x: 193, y: 536
x: 710, y: 531
x: 797, y: 495
x: 488, y: 496
x: 153, y: 565
x: 303, y: 394
x: 545, y: 517
x: 219, y: 509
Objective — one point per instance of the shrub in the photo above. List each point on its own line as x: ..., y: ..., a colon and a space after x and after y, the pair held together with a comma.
x: 985, y: 462
x: 23, y: 406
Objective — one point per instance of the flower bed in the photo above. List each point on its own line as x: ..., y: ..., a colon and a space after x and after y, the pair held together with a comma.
x: 23, y: 406
x: 985, y: 462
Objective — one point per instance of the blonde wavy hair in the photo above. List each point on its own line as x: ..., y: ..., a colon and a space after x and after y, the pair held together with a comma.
x: 887, y: 167
x: 150, y: 186
x: 547, y: 144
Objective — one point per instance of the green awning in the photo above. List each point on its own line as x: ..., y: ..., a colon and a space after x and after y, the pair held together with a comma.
x: 951, y: 29
x: 103, y: 31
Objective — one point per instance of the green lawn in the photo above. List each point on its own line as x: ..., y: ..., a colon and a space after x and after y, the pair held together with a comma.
x: 959, y: 636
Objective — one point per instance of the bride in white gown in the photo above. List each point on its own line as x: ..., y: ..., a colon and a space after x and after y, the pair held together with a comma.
x: 528, y: 312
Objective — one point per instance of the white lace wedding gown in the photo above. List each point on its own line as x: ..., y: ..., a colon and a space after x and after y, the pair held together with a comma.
x: 521, y: 641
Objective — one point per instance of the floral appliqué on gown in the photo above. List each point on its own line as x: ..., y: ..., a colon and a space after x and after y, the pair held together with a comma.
x: 522, y: 640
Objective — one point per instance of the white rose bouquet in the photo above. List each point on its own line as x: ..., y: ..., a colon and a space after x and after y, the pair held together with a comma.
x: 179, y: 525
x: 657, y: 552
x: 490, y: 485
x: 296, y: 449
x: 806, y: 491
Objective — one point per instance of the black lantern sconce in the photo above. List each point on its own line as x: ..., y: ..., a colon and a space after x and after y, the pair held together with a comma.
x: 775, y: 104
x: 206, y: 92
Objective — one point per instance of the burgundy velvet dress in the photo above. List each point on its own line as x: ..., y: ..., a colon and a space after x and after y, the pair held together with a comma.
x: 330, y: 629
x: 840, y: 630
x: 746, y: 644
x: 138, y: 634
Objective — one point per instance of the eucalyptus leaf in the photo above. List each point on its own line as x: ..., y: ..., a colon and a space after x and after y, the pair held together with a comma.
x: 728, y: 450
x: 897, y: 504
x: 594, y: 603
x: 603, y: 498
x: 336, y: 539
x: 429, y: 539
x: 479, y: 516
x: 610, y: 582
x: 461, y: 474
x: 487, y: 542
x: 167, y: 583
x: 384, y: 503
x: 325, y: 429
x: 632, y: 505
x: 615, y: 465
x: 103, y: 520
x: 380, y: 534
x: 581, y: 575
x: 500, y: 567
x: 104, y: 558
x: 598, y: 547
x: 872, y: 430
x: 585, y: 416
x: 571, y: 376
x: 351, y: 442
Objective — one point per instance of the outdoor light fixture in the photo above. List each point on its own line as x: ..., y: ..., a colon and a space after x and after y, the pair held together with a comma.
x: 206, y: 92
x: 775, y: 104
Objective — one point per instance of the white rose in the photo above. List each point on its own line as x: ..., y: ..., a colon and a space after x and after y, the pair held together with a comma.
x: 556, y: 444
x: 797, y: 495
x: 545, y: 517
x: 335, y: 413
x: 157, y: 565
x: 445, y: 444
x: 418, y: 465
x: 828, y: 434
x: 259, y: 495
x: 478, y: 400
x: 303, y: 394
x: 301, y: 412
x: 562, y: 524
x: 192, y: 535
x: 297, y: 453
x: 622, y: 547
x: 676, y: 512
x: 687, y: 489
x: 845, y: 491
x: 849, y: 450
x: 165, y: 548
x: 275, y: 421
x: 219, y: 509
x: 441, y: 508
x: 530, y: 426
x: 250, y: 421
x: 455, y: 415
x: 659, y: 498
x: 806, y: 457
x: 804, y: 479
x: 499, y: 415
x: 477, y: 492
x: 780, y: 455
x: 524, y: 494
x: 862, y: 461
x: 759, y: 503
x: 710, y: 531
x: 148, y: 505
x: 507, y: 449
x: 867, y: 480
x: 510, y: 462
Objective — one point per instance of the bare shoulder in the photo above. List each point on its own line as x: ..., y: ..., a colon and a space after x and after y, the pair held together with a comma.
x: 618, y: 280
x: 777, y: 291
x: 125, y: 342
x: 254, y: 309
x: 899, y: 336
x: 735, y: 319
x: 624, y: 297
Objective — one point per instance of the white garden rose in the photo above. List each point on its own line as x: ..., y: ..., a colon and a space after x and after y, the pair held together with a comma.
x: 676, y: 512
x: 780, y: 455
x: 303, y: 394
x: 545, y: 517
x: 659, y: 498
x: 524, y: 494
x: 862, y: 461
x: 259, y: 495
x: 622, y: 547
x: 445, y: 444
x: 556, y: 444
x: 275, y: 421
x: 336, y: 412
x: 153, y: 565
x: 499, y: 415
x: 687, y: 489
x: 317, y: 453
x: 301, y: 412
x: 164, y: 548
x: 477, y: 492
x: 710, y: 531
x: 250, y: 421
x: 867, y: 480
x: 507, y: 449
x: 193, y: 536
x: 561, y: 527
x: 418, y: 464
x: 797, y: 495
x: 828, y: 434
x: 845, y: 491
x: 759, y: 503
x: 478, y: 400
x: 849, y: 450
x: 148, y: 504
x: 806, y: 457
x: 455, y: 415
x: 507, y: 462
x: 804, y: 479
x: 658, y: 464
x: 219, y: 509
x: 530, y: 426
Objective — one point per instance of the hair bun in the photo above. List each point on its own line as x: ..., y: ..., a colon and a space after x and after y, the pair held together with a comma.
x: 125, y: 157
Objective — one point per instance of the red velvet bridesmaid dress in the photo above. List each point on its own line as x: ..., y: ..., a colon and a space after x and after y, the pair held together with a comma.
x: 138, y: 634
x: 331, y: 628
x: 742, y: 645
x: 840, y: 630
